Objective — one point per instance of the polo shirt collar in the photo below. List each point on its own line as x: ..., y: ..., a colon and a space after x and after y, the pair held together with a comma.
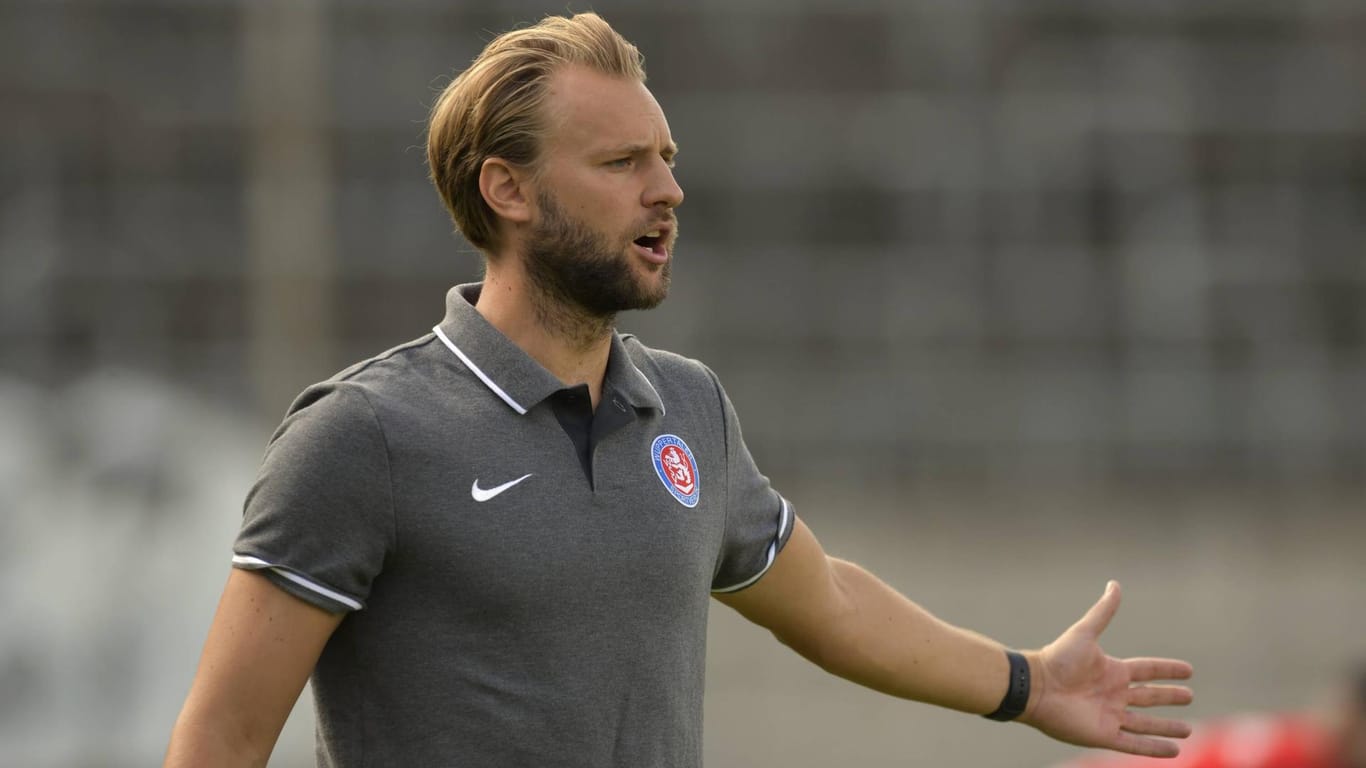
x: 511, y: 373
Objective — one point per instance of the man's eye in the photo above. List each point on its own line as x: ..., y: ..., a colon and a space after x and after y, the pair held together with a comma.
x: 620, y: 162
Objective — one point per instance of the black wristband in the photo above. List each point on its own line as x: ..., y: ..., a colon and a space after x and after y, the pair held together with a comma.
x: 1017, y: 695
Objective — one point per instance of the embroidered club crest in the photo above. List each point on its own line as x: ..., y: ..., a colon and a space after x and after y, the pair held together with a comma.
x: 676, y: 469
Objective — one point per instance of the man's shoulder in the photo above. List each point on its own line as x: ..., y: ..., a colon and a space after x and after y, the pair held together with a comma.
x: 670, y: 365
x: 389, y: 366
x: 400, y: 372
x: 678, y: 379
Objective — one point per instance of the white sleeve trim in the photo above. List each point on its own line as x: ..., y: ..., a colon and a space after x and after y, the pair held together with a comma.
x: 256, y: 563
x: 784, y: 520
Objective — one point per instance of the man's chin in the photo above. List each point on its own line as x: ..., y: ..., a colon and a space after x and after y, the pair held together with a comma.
x: 652, y: 301
x: 641, y: 296
x: 647, y: 299
x: 655, y: 288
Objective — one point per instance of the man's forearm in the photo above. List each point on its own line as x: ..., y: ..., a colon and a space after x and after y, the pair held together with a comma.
x: 205, y: 744
x: 848, y: 622
x: 882, y: 640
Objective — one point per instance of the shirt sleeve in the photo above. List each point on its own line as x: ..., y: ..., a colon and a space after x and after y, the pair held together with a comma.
x: 318, y: 522
x: 759, y: 520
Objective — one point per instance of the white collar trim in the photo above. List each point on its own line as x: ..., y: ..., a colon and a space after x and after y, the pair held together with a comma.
x: 497, y: 390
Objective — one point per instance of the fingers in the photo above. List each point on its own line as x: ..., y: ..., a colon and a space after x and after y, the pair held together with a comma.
x: 1147, y: 725
x: 1141, y: 670
x: 1159, y: 696
x: 1142, y: 734
x: 1098, y: 618
x: 1146, y: 746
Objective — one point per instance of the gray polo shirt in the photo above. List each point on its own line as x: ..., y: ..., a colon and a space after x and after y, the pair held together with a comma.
x: 526, y: 579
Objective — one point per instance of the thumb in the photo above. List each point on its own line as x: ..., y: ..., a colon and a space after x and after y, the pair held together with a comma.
x: 1098, y: 617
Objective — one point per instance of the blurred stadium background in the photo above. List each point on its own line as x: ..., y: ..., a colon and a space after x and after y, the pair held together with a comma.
x: 1013, y: 297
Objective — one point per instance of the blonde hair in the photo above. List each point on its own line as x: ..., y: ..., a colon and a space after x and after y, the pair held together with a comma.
x: 494, y: 108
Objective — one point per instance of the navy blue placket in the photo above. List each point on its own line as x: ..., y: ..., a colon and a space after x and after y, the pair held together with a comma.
x: 586, y: 429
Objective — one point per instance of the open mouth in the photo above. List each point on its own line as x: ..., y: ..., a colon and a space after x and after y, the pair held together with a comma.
x: 653, y: 245
x: 650, y: 242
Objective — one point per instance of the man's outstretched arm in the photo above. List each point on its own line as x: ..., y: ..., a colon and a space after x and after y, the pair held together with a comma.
x: 851, y: 624
x: 261, y: 648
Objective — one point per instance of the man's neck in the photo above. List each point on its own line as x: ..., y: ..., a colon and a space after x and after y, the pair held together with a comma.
x: 572, y: 346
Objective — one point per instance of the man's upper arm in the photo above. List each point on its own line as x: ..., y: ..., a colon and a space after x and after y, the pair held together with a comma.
x: 261, y: 648
x: 797, y: 596
x: 758, y: 519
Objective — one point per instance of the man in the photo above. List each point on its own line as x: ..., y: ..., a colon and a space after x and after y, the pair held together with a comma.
x: 494, y: 545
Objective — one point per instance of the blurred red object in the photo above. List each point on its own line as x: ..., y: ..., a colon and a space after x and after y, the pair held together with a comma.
x: 1246, y: 741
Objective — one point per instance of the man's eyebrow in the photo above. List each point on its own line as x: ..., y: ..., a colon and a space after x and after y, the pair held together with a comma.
x: 668, y: 151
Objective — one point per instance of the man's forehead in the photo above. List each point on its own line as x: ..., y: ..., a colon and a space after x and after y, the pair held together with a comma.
x: 605, y: 113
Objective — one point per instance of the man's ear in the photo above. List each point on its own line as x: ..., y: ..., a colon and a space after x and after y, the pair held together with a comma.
x: 505, y: 189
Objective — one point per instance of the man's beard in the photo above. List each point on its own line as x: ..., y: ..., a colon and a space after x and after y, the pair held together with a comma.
x: 583, y: 279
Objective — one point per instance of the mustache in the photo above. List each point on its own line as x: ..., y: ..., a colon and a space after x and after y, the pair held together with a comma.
x: 671, y: 221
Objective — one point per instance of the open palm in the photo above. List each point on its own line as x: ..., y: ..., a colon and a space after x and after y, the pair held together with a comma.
x: 1084, y: 696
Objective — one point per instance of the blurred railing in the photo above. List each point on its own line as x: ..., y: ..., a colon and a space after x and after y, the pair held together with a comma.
x: 1104, y: 240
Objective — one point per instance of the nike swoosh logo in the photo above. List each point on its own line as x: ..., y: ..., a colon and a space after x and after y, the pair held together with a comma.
x: 481, y: 494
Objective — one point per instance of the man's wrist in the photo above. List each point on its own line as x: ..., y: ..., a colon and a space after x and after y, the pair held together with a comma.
x: 1037, y: 683
x: 1017, y: 695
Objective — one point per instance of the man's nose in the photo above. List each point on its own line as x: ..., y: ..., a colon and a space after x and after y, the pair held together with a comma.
x: 664, y: 189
